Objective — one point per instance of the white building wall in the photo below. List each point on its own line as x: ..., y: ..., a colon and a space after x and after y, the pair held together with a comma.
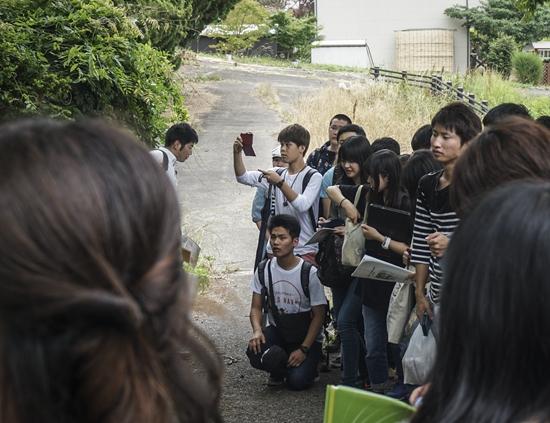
x: 376, y: 22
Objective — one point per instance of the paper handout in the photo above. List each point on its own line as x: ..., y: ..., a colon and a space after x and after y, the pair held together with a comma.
x: 372, y: 268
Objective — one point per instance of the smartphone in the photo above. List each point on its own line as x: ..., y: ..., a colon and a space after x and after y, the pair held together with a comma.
x: 247, y: 137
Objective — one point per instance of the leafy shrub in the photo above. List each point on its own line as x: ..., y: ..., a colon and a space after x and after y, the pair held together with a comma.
x: 499, y: 55
x: 528, y: 67
x: 73, y: 57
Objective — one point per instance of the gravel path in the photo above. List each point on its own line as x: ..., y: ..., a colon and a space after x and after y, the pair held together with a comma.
x: 216, y: 212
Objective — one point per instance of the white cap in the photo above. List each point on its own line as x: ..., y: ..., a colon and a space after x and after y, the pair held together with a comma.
x: 276, y: 152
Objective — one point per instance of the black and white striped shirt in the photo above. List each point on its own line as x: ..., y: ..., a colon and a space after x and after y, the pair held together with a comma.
x: 433, y: 214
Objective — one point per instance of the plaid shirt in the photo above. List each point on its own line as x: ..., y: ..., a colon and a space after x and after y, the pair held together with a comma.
x: 321, y: 158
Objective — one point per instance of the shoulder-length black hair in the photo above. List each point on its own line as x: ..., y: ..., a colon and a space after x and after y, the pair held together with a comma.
x: 494, y: 347
x: 419, y: 164
x: 386, y: 163
x: 94, y: 303
x: 355, y: 149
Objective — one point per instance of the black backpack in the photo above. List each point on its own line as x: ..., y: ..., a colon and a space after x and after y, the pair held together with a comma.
x: 304, y: 280
x: 330, y: 270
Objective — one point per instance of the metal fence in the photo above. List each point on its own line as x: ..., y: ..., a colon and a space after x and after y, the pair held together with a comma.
x: 434, y: 83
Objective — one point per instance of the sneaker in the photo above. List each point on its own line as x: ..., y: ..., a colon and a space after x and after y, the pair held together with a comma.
x: 400, y: 391
x: 275, y: 381
x: 382, y: 388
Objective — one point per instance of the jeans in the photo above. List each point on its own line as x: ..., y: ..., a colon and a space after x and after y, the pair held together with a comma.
x: 376, y: 337
x: 350, y: 329
x: 297, y: 378
x: 338, y: 296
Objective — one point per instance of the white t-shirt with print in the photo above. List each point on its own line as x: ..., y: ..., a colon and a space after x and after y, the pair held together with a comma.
x: 287, y: 287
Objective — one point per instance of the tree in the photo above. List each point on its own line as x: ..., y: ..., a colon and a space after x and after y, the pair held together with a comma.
x: 292, y: 35
x: 245, y: 24
x: 529, y: 6
x: 496, y: 18
x: 204, y: 13
x: 70, y: 58
x: 163, y: 23
x: 499, y: 54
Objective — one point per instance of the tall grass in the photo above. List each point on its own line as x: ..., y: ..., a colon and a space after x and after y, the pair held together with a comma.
x: 492, y: 87
x: 382, y: 109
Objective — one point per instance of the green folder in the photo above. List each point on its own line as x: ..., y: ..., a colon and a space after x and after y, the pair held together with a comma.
x: 349, y: 405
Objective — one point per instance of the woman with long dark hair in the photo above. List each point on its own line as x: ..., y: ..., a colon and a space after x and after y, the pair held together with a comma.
x: 94, y: 302
x: 494, y: 345
x: 384, y: 170
x: 350, y: 170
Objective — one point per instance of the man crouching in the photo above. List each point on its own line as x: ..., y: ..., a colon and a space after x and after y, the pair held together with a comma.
x: 289, y: 347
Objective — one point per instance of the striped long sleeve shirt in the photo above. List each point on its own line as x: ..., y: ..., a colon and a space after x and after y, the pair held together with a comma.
x: 433, y: 214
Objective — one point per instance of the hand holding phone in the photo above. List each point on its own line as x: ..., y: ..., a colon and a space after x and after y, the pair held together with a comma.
x: 247, y: 138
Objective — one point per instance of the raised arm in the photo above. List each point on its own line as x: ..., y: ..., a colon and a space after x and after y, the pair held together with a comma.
x: 338, y: 198
x: 238, y: 163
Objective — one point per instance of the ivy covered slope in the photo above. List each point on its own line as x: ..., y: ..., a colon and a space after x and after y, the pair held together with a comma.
x: 67, y: 58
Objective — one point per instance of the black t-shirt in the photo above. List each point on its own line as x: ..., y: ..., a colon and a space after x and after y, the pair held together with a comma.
x: 375, y: 294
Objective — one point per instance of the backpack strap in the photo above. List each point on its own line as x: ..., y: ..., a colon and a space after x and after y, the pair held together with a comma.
x: 304, y: 277
x: 164, y: 159
x: 307, y: 178
x: 261, y: 279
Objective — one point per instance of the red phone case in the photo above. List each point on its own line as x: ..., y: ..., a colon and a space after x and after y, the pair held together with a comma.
x: 247, y: 137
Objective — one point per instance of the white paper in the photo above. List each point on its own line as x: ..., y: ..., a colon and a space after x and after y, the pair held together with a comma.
x: 320, y: 235
x: 372, y: 268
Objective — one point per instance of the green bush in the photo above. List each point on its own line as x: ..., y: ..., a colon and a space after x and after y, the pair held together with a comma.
x: 499, y: 55
x: 528, y: 67
x: 70, y: 58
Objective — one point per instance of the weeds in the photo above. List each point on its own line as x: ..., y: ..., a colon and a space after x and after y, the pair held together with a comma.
x: 284, y: 63
x: 492, y: 87
x: 203, y: 271
x: 382, y: 109
x: 269, y: 96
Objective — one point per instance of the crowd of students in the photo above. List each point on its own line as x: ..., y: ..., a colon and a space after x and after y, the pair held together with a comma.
x: 456, y: 160
x: 95, y: 305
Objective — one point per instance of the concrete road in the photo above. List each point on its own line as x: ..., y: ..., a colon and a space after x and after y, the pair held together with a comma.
x: 216, y: 212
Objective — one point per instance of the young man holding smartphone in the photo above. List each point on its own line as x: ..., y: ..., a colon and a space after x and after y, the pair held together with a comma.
x: 294, y: 191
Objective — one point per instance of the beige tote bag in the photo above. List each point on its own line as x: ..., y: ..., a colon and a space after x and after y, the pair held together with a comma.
x: 353, y: 248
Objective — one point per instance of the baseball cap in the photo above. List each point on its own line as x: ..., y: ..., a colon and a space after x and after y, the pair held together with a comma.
x: 276, y: 152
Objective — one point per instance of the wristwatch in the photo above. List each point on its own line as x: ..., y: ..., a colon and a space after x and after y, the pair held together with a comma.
x: 280, y: 183
x: 304, y: 349
x: 386, y: 243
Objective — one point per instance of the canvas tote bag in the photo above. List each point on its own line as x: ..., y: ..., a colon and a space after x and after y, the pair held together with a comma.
x: 353, y: 248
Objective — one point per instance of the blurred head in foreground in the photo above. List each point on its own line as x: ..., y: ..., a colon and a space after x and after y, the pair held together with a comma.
x: 94, y: 302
